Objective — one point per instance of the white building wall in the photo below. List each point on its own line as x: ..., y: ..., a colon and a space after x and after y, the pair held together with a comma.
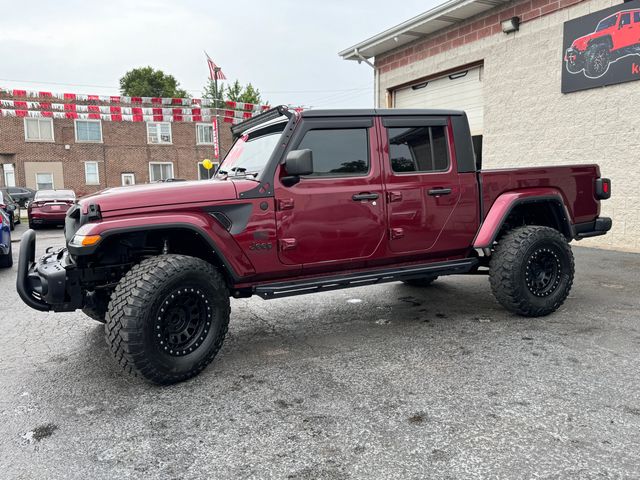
x: 529, y: 122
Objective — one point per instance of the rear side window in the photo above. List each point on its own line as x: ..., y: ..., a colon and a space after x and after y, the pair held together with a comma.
x: 418, y: 149
x: 636, y: 16
x: 338, y: 152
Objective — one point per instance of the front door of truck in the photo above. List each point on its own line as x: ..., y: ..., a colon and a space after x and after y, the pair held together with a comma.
x: 335, y: 215
x: 423, y: 186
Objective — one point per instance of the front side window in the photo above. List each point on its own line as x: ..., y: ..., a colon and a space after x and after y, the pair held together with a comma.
x: 38, y: 129
x: 44, y: 181
x: 92, y: 177
x: 625, y: 19
x: 158, y: 132
x: 636, y: 16
x: 418, y: 149
x: 159, y: 171
x: 339, y: 152
x: 88, y: 131
x: 204, y: 134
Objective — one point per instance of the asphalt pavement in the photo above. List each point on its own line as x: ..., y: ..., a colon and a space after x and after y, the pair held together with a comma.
x: 377, y: 382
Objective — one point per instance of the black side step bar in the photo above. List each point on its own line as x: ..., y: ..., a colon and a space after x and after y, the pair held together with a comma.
x: 334, y: 282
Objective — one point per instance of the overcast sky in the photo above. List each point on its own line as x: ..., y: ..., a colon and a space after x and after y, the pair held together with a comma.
x: 286, y: 48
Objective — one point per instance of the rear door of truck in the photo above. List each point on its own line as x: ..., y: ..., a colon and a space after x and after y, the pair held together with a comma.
x: 431, y: 207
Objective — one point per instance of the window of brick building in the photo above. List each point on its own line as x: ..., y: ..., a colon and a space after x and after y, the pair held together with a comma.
x: 91, y: 174
x: 89, y: 131
x: 204, y: 174
x: 9, y: 175
x: 128, y: 179
x: 38, y: 129
x: 204, y: 134
x: 158, y: 132
x: 159, y: 171
x: 44, y: 181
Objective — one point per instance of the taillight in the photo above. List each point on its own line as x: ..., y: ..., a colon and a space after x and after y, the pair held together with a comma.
x: 603, y: 188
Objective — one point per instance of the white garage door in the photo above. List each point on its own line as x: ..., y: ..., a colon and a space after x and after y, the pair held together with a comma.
x: 458, y: 91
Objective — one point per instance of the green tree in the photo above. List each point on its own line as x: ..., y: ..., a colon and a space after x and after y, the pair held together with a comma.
x: 234, y: 92
x: 210, y: 91
x: 148, y: 82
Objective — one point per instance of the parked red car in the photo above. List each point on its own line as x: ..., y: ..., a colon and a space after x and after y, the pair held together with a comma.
x: 615, y: 37
x: 49, y: 207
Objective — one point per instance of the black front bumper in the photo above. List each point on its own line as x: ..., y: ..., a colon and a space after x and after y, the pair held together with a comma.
x: 50, y: 283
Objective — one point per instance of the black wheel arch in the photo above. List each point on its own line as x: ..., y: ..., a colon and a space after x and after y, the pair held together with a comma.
x: 182, y: 238
x: 549, y: 211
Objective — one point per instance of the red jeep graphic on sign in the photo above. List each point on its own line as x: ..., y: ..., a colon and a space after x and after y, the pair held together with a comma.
x: 615, y: 37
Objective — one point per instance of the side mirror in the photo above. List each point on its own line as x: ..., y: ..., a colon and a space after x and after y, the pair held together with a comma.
x: 299, y: 162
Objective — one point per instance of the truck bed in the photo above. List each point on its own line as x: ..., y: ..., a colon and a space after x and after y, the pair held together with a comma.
x: 574, y: 182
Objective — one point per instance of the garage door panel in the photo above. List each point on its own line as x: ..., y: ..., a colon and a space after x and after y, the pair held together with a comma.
x: 462, y: 93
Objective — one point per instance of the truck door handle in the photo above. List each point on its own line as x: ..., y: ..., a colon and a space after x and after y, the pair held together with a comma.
x: 358, y: 197
x: 439, y: 191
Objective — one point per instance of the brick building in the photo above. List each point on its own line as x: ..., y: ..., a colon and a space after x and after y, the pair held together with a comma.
x: 89, y: 155
x: 510, y: 79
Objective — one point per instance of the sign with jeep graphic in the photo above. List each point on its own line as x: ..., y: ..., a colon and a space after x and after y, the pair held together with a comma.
x: 602, y: 48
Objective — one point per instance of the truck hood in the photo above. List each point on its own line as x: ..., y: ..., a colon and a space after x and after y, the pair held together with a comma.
x: 159, y: 194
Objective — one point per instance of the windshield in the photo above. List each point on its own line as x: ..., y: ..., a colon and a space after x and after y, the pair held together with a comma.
x: 55, y: 195
x: 606, y: 23
x: 250, y: 153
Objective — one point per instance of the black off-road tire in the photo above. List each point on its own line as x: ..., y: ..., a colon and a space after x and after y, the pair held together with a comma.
x: 148, y: 309
x: 531, y: 270
x: 6, y: 261
x: 420, y: 282
x: 596, y: 60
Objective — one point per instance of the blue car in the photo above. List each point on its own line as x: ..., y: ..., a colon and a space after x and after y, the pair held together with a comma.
x: 6, y: 257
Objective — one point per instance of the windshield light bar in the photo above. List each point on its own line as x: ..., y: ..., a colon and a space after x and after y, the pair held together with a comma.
x: 272, y: 114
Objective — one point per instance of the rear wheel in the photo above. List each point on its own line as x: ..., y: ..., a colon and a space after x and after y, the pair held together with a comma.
x: 420, y: 282
x: 167, y: 318
x: 531, y: 270
x: 12, y: 224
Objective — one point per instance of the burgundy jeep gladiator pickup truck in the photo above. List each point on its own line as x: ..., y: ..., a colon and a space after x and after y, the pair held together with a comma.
x: 308, y: 202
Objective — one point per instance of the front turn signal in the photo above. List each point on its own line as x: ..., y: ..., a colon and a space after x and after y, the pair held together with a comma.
x: 84, y: 240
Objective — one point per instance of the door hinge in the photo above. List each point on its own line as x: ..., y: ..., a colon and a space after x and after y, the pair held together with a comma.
x: 287, y: 244
x: 285, y: 203
x: 394, y: 196
x: 396, y: 233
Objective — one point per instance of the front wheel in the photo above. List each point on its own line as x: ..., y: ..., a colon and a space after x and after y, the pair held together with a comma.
x: 531, y: 270
x: 597, y: 58
x: 167, y: 318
